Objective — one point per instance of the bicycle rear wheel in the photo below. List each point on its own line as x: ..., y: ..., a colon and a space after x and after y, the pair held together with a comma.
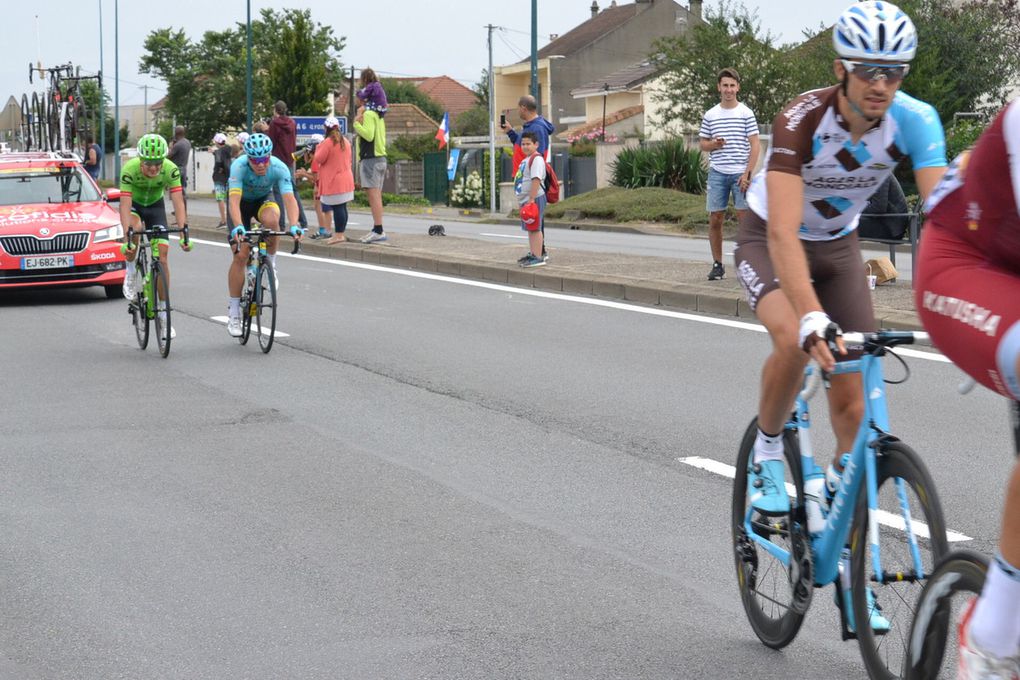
x: 161, y: 303
x: 906, y: 497
x: 26, y: 124
x: 775, y: 596
x: 265, y: 291
x: 933, y: 644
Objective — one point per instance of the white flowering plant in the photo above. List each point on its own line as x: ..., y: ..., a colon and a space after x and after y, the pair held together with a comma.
x: 467, y: 192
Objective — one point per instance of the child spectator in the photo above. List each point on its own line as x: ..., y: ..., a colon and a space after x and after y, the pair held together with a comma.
x: 529, y: 187
x: 372, y: 93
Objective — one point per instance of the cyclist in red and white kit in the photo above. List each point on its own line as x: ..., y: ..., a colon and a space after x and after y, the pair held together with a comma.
x: 968, y: 297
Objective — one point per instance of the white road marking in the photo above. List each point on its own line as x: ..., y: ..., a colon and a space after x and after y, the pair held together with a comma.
x: 595, y: 302
x: 887, y: 518
x: 223, y: 320
x: 503, y: 235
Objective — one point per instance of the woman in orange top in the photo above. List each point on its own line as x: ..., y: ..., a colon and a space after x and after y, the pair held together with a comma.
x: 336, y: 179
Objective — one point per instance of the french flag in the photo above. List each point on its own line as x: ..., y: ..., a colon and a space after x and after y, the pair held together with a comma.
x: 443, y: 134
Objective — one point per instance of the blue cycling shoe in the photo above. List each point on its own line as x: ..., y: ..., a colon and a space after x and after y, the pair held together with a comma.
x: 879, y: 624
x: 766, y: 487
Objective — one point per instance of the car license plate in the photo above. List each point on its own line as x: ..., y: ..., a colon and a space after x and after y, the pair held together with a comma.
x: 47, y: 262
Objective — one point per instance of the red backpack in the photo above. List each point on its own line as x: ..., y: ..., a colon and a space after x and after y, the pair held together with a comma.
x: 551, y: 185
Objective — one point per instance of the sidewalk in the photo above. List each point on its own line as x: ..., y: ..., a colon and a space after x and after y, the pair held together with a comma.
x: 658, y: 281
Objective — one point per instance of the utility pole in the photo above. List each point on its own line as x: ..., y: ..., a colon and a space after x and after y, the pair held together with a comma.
x: 102, y: 99
x: 116, y: 88
x: 145, y: 106
x: 492, y: 130
x: 534, y: 50
x: 248, y: 77
x: 350, y: 100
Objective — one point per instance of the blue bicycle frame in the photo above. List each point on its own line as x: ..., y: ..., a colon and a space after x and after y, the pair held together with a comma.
x: 827, y: 545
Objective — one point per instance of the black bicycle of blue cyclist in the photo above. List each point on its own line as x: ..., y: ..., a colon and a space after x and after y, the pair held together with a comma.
x: 258, y: 294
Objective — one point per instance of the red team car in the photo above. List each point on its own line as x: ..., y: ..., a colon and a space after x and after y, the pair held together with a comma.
x: 56, y: 226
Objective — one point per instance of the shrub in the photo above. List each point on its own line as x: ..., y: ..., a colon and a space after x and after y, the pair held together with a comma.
x: 669, y: 164
x: 467, y: 191
x: 412, y: 147
x: 961, y: 135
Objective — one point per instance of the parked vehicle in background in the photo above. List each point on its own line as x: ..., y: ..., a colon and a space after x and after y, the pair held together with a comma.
x: 56, y: 226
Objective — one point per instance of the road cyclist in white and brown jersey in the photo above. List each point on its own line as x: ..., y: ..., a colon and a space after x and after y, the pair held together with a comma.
x: 797, y: 256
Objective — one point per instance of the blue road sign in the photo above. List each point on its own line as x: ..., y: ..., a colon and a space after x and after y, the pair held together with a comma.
x: 311, y: 125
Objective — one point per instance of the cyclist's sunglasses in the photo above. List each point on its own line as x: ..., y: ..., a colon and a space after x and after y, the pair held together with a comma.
x: 259, y: 160
x: 153, y: 164
x: 891, y: 73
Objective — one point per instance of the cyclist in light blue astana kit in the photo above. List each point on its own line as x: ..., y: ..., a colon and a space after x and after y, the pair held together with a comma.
x: 253, y: 175
x: 797, y: 256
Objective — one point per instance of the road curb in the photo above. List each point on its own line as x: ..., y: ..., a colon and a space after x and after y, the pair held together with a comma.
x: 652, y: 293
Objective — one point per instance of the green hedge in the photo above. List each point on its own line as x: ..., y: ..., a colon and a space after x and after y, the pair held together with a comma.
x: 669, y: 164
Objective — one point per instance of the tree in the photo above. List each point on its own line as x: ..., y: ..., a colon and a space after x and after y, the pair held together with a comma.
x: 730, y: 37
x: 293, y: 57
x: 474, y: 121
x: 406, y: 92
x: 305, y: 64
x: 481, y: 90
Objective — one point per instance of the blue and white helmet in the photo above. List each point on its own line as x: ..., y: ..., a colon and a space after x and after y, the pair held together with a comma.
x: 258, y: 145
x: 875, y: 30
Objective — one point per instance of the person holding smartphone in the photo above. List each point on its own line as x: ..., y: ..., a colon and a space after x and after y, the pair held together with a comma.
x: 527, y: 108
x: 729, y: 133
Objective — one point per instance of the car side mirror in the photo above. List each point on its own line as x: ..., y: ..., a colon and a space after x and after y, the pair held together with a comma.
x: 112, y: 195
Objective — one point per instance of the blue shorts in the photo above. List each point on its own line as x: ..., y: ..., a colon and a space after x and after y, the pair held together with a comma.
x: 720, y: 186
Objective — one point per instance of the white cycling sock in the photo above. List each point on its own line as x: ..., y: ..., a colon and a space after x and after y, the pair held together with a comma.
x: 767, y: 447
x: 995, y: 625
x: 130, y: 266
x: 234, y: 308
x: 272, y: 260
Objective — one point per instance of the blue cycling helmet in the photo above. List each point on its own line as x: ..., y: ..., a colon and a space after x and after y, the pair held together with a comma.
x: 875, y: 30
x: 258, y: 145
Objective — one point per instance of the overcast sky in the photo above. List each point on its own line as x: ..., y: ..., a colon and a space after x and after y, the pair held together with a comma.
x: 395, y: 37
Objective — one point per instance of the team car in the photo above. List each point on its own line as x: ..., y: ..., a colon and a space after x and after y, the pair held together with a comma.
x: 57, y: 228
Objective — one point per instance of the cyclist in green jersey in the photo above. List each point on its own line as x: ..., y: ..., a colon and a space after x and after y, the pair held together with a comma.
x: 142, y: 183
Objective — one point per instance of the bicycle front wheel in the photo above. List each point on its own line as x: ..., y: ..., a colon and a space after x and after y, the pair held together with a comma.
x: 933, y: 650
x: 265, y: 290
x: 775, y: 595
x: 910, y: 539
x: 161, y: 303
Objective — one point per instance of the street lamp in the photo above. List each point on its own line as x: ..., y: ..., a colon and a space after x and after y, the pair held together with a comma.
x: 248, y: 76
x: 116, y: 88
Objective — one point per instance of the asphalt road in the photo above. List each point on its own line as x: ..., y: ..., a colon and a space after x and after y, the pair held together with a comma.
x: 647, y: 245
x: 427, y: 478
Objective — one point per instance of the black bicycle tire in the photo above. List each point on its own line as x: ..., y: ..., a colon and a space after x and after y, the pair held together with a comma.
x: 960, y: 571
x: 895, y: 459
x: 141, y: 317
x: 162, y: 328
x: 779, y: 632
x: 53, y: 123
x: 39, y: 114
x: 26, y: 124
x: 268, y: 287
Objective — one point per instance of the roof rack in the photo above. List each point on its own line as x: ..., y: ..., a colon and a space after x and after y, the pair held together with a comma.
x: 22, y: 156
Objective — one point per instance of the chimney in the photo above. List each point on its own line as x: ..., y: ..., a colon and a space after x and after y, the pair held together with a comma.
x: 695, y: 12
x: 594, y: 9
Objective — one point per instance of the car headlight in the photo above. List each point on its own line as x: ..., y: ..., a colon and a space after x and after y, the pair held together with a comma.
x: 113, y: 233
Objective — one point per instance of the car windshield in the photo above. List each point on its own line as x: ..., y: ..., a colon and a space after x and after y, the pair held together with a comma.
x: 46, y: 185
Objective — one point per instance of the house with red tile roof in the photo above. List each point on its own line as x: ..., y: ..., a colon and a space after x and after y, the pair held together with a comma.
x: 612, y: 38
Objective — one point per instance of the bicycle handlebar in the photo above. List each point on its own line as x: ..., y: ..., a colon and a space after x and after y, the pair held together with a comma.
x: 874, y: 343
x: 247, y: 238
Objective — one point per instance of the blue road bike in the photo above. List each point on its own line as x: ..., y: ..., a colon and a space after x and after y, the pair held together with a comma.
x: 883, y: 530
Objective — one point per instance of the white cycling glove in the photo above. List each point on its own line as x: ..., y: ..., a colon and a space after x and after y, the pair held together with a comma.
x: 812, y: 324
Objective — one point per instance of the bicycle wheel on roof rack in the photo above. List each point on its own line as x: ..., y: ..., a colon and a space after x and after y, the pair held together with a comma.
x: 53, y: 124
x: 81, y: 126
x: 38, y: 123
x: 25, y: 129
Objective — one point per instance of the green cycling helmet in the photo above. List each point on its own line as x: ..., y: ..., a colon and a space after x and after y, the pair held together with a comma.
x: 152, y: 147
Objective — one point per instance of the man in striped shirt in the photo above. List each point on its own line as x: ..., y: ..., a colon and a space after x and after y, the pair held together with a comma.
x: 729, y: 132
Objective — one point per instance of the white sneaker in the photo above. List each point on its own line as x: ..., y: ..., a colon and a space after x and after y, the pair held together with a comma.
x: 373, y: 237
x: 129, y: 288
x: 234, y: 326
x: 974, y: 663
x: 162, y: 320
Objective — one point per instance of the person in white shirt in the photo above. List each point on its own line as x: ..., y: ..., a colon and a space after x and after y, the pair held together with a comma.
x: 729, y: 132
